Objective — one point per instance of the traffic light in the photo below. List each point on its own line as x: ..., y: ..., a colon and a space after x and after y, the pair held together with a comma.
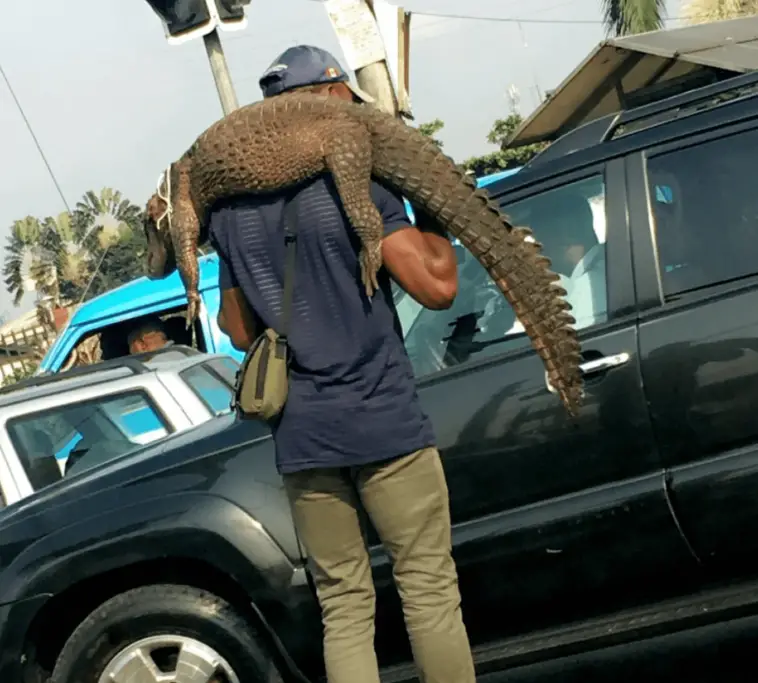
x: 187, y: 19
x: 231, y: 10
x: 182, y: 17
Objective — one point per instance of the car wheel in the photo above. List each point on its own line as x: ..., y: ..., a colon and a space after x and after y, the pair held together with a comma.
x: 164, y: 634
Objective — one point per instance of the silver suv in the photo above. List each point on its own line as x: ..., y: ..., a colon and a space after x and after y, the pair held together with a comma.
x: 54, y: 424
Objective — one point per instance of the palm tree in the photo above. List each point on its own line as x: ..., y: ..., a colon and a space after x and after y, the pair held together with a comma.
x: 703, y: 11
x: 623, y: 17
x: 109, y: 214
x: 58, y: 256
x: 112, y: 228
x: 24, y: 259
x: 71, y: 261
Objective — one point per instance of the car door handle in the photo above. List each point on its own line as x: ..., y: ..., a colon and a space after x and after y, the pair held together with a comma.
x: 605, y: 363
x: 597, y: 365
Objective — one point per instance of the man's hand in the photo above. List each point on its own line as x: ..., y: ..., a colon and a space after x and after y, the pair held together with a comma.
x: 423, y: 262
x: 237, y: 320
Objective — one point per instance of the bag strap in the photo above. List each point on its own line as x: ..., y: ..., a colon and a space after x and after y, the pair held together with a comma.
x: 290, y: 245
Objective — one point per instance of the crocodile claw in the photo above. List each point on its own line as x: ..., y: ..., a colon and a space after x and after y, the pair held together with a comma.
x: 370, y: 259
x: 193, y: 309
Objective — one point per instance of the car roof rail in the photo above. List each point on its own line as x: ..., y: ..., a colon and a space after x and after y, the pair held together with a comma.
x: 136, y: 363
x: 132, y: 363
x: 684, y: 104
x: 586, y: 135
x: 652, y: 107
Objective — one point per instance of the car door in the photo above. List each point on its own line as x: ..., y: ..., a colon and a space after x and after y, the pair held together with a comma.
x: 554, y: 519
x: 696, y: 256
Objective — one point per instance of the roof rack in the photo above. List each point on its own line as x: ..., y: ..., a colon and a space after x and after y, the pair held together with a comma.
x: 655, y: 113
x: 135, y: 363
x: 684, y: 104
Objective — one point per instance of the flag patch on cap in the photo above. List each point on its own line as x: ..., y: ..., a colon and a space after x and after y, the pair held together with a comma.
x: 331, y: 72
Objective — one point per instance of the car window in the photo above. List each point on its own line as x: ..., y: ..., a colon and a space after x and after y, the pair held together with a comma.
x: 50, y: 443
x: 225, y: 367
x: 213, y: 382
x: 705, y: 210
x: 569, y: 222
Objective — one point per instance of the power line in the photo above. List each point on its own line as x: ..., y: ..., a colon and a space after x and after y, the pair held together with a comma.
x: 34, y: 137
x: 518, y: 20
x: 52, y: 175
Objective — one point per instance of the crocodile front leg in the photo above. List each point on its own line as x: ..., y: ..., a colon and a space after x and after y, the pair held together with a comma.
x: 349, y: 161
x: 185, y: 232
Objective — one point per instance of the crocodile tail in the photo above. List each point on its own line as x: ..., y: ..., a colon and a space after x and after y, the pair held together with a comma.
x: 413, y: 165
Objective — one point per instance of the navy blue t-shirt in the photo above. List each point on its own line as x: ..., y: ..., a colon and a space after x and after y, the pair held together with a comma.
x: 352, y: 397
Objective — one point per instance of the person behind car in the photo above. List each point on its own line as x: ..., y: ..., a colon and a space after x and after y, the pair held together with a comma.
x: 149, y: 335
x: 352, y: 434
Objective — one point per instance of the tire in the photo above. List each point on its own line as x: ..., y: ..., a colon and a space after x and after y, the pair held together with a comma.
x: 160, y: 622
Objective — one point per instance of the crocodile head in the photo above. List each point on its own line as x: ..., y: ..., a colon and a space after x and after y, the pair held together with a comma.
x: 161, y: 258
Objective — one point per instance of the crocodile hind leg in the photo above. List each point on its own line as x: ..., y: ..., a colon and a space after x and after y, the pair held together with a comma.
x: 349, y: 161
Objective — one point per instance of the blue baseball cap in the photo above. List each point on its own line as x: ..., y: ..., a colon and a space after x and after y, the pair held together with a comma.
x: 306, y: 65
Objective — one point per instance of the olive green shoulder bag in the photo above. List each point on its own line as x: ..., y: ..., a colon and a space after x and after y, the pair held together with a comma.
x: 262, y: 382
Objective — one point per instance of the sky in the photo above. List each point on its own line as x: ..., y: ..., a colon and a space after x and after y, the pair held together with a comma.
x: 111, y: 103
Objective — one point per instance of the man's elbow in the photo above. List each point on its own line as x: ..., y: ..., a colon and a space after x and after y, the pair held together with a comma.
x: 240, y: 339
x: 221, y: 322
x: 443, y: 295
x: 240, y: 344
x: 235, y: 335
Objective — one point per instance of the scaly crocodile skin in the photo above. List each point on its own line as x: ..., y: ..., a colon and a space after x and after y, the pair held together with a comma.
x: 277, y: 143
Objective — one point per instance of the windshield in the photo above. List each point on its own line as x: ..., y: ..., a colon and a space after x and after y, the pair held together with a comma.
x: 76, y: 436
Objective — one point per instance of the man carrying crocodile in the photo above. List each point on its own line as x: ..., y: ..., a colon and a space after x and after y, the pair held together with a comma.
x: 352, y: 433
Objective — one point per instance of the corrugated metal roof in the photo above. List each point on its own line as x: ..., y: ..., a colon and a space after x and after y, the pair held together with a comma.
x: 616, y: 68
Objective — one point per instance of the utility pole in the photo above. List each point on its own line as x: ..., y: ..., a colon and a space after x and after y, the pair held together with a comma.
x: 375, y: 78
x: 395, y: 28
x: 185, y: 20
x: 220, y: 71
x: 357, y: 29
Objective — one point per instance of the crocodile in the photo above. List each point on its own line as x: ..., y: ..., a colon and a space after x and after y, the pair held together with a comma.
x: 278, y: 143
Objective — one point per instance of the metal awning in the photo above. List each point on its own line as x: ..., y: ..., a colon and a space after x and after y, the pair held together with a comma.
x: 606, y: 81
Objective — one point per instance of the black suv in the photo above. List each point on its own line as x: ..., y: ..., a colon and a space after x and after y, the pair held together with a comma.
x: 576, y: 540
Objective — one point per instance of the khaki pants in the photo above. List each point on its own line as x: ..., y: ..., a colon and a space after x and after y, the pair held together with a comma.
x: 407, y: 501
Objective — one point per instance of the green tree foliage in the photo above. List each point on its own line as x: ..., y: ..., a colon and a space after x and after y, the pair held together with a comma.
x: 23, y: 258
x: 76, y: 256
x: 124, y: 261
x: 18, y: 374
x: 624, y: 17
x: 505, y: 157
x: 431, y: 129
x: 500, y: 160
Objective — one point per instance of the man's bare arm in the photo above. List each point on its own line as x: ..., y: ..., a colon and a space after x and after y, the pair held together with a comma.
x: 237, y: 320
x: 424, y: 264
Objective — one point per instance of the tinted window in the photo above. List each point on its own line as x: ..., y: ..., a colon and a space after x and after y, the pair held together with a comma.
x: 570, y: 223
x: 213, y: 382
x: 53, y: 442
x: 705, y: 208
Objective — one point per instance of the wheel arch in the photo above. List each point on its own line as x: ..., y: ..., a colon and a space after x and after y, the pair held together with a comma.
x: 54, y: 623
x: 191, y: 539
